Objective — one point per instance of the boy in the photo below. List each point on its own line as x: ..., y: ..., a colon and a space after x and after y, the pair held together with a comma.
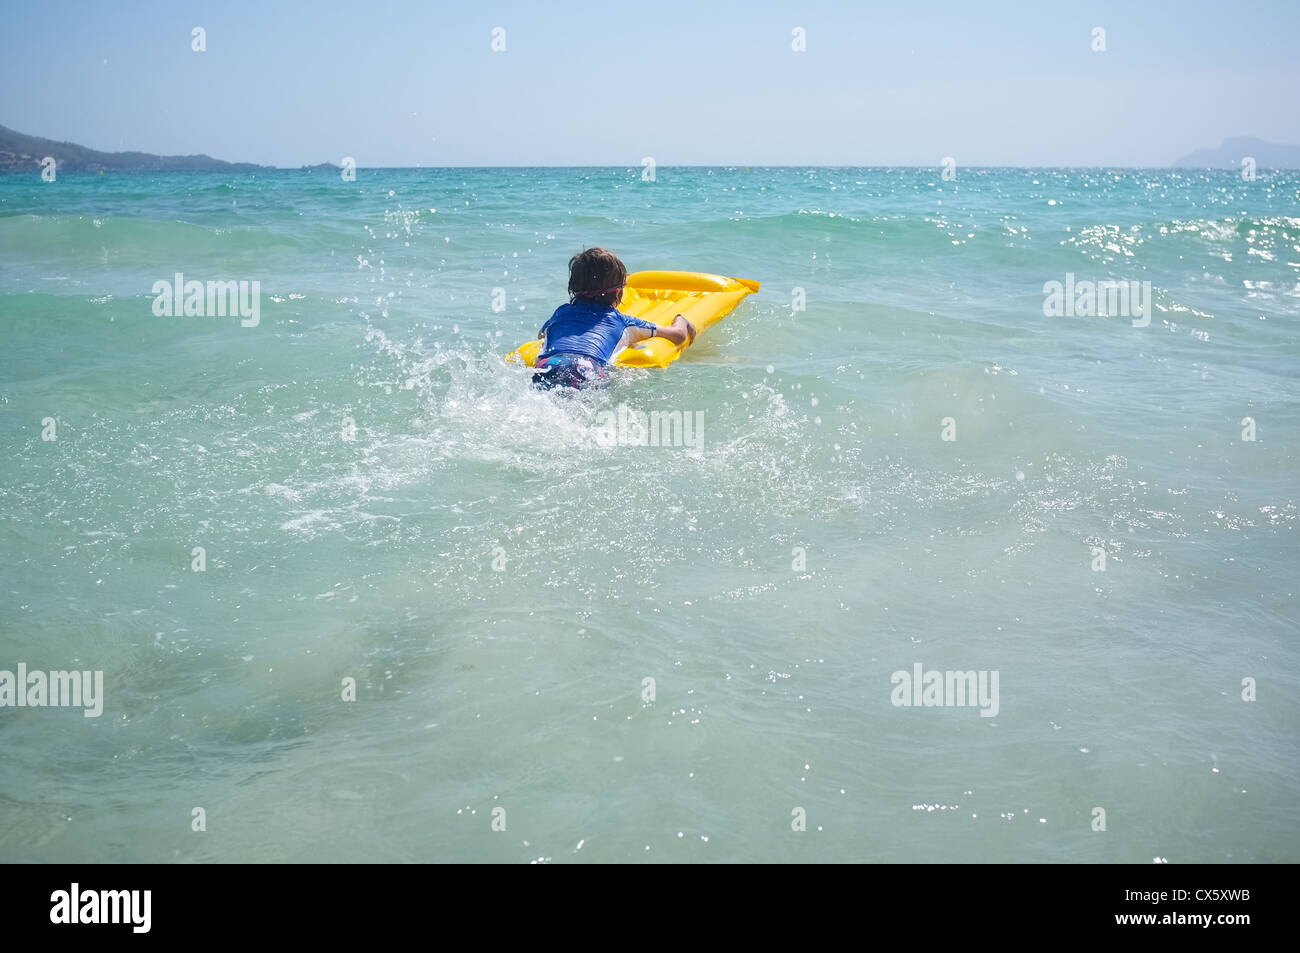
x: 582, y: 337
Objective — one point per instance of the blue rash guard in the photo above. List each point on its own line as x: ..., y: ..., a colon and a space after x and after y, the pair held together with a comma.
x: 588, y: 328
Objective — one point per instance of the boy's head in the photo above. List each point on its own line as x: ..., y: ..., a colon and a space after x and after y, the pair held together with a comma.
x: 596, y: 275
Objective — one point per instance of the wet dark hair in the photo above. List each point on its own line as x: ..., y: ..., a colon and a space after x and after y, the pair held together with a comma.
x: 592, y: 273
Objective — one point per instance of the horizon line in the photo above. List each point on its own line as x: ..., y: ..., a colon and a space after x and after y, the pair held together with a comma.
x: 632, y: 168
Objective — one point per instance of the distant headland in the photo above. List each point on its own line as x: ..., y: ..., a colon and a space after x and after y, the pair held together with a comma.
x: 23, y: 153
x: 1266, y: 155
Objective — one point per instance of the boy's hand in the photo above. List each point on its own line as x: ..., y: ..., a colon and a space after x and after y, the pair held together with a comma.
x: 681, y: 332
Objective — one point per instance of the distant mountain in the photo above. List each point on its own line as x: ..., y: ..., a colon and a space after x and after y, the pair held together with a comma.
x: 22, y: 153
x: 1267, y: 155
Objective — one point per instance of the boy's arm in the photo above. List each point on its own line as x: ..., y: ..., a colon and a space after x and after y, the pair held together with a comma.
x: 541, y: 335
x: 680, y: 331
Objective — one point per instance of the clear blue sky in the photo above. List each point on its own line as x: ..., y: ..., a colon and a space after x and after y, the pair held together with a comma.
x: 287, y: 82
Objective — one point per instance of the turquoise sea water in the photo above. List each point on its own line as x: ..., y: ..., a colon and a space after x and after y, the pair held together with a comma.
x: 378, y: 497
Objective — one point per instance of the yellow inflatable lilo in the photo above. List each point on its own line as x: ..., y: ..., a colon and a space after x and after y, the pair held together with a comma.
x: 658, y: 296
